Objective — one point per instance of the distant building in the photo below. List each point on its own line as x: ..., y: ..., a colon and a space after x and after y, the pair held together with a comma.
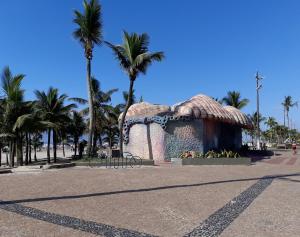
x: 200, y: 124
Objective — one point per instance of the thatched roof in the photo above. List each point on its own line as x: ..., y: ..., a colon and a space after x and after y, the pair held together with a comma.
x: 239, y: 117
x: 198, y: 107
x: 202, y: 107
x: 145, y: 109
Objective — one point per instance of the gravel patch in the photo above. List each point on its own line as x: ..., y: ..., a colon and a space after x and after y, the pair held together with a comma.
x: 222, y: 218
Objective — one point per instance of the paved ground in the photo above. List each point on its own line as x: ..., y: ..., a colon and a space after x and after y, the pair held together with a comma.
x: 257, y: 200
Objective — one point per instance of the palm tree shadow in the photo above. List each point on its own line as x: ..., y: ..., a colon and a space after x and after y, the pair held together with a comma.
x: 30, y: 200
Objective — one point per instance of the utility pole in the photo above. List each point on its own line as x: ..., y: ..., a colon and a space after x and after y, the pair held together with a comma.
x: 258, y: 87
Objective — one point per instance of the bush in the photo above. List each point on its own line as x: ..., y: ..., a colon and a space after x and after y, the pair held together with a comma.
x: 209, y: 154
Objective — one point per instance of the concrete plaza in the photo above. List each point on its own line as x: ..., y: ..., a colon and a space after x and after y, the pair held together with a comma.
x: 257, y: 200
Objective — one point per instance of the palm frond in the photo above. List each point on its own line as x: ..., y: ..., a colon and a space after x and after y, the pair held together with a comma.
x: 78, y: 100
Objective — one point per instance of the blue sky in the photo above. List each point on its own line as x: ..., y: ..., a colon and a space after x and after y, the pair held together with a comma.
x: 211, y: 46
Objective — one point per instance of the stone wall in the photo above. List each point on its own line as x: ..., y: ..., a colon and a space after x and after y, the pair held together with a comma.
x: 146, y: 141
x: 150, y: 141
x: 183, y: 136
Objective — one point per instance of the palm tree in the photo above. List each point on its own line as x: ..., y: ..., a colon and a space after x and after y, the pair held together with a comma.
x: 134, y: 58
x: 271, y: 123
x: 89, y: 34
x: 101, y: 107
x: 76, y: 128
x: 13, y: 107
x: 36, y: 142
x: 132, y: 101
x: 28, y: 123
x: 287, y: 104
x: 110, y: 132
x: 253, y: 118
x: 52, y: 109
x: 282, y: 132
x: 220, y: 101
x: 233, y: 98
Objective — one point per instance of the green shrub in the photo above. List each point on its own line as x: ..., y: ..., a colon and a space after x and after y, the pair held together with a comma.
x: 209, y: 154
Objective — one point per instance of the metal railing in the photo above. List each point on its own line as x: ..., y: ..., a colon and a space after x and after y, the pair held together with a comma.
x: 127, y: 160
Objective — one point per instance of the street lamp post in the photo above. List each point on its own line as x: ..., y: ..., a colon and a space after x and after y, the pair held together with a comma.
x: 258, y: 87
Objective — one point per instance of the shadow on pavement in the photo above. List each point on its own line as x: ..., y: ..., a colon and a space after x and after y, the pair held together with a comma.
x: 284, y: 177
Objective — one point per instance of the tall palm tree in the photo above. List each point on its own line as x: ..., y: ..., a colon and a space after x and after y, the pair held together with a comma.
x: 89, y: 34
x: 282, y: 133
x: 134, y: 58
x: 13, y: 106
x: 287, y: 104
x: 233, y: 98
x: 253, y: 118
x: 76, y: 128
x: 101, y: 107
x: 36, y: 142
x: 271, y: 123
x: 110, y: 131
x: 132, y: 101
x: 54, y: 111
x: 29, y: 123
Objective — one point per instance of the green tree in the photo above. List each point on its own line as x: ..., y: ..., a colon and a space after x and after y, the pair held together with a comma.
x: 271, y: 123
x: 53, y: 110
x: 281, y: 132
x: 101, y: 107
x: 111, y: 130
x: 76, y: 128
x: 36, y: 143
x: 233, y: 98
x: 253, y: 118
x: 134, y: 58
x: 89, y: 34
x: 287, y: 104
x: 13, y: 106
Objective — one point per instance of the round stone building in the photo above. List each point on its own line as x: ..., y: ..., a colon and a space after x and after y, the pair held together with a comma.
x: 161, y: 132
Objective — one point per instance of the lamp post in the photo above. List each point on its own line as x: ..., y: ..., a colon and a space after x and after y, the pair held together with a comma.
x: 258, y: 87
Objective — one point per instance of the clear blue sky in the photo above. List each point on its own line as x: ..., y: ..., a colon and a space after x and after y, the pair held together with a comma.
x: 211, y: 47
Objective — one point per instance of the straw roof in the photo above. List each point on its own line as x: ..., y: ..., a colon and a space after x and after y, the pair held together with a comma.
x: 239, y: 117
x: 202, y: 107
x: 198, y: 107
x: 145, y: 109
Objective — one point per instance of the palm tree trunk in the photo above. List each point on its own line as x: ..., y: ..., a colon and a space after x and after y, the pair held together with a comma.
x: 48, y: 146
x: 124, y: 114
x: 19, y: 151
x: 75, y: 148
x: 12, y: 153
x: 7, y: 161
x: 29, y: 144
x: 91, y: 109
x: 26, y: 149
x: 288, y: 120
x: 0, y: 154
x: 100, y: 141
x: 63, y: 144
x: 54, y: 145
x: 34, y: 148
x: 110, y: 144
x: 284, y: 116
x: 94, y: 143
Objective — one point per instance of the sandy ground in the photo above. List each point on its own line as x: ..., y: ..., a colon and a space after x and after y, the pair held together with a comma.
x: 43, y: 154
x: 162, y: 201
